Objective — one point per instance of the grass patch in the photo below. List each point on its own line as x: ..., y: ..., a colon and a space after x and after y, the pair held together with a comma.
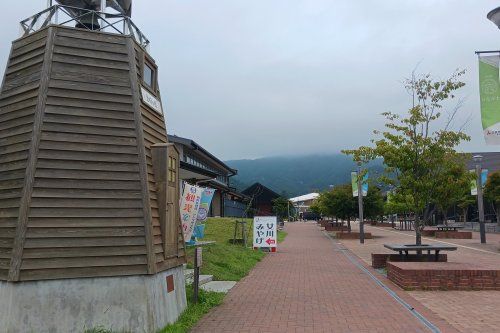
x: 194, y: 312
x: 281, y: 235
x: 225, y: 261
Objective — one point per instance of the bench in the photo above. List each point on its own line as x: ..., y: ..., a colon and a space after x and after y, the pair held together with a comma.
x: 449, y: 227
x: 406, y: 248
x: 379, y: 260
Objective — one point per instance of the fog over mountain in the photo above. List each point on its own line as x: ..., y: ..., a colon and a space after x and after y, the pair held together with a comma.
x: 296, y: 175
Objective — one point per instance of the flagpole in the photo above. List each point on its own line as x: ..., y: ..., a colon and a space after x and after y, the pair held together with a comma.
x: 360, y: 206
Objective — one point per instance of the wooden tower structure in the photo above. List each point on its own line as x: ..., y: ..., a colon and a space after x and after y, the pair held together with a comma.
x: 88, y: 182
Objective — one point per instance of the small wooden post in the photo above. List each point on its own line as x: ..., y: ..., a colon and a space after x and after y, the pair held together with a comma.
x: 197, y: 265
x: 244, y: 233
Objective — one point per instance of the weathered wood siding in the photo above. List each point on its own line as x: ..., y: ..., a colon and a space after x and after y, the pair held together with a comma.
x: 154, y: 131
x: 77, y: 190
x: 86, y: 216
x: 18, y: 100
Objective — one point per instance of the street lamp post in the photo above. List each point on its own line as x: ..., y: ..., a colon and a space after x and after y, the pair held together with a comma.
x: 360, y: 206
x: 480, y: 206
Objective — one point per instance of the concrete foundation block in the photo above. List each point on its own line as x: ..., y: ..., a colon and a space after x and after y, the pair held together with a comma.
x: 138, y: 303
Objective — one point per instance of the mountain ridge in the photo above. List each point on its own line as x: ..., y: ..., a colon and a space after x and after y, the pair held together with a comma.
x: 296, y: 175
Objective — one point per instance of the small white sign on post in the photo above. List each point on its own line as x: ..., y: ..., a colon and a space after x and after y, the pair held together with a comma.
x: 199, y: 257
x: 265, y: 232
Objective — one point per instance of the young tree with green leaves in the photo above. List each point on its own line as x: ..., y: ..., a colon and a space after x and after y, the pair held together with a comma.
x: 281, y: 207
x: 465, y: 201
x: 454, y: 180
x: 415, y: 149
x: 492, y: 192
x: 373, y: 203
x: 338, y: 203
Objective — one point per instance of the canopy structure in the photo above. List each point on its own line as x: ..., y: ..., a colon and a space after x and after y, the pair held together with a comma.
x: 305, y: 197
x: 124, y: 7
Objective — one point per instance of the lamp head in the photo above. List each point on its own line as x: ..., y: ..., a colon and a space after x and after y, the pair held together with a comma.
x: 494, y: 16
x: 124, y: 7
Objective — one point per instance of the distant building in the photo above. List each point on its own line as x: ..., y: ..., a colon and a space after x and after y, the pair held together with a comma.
x: 199, y: 166
x: 262, y: 199
x: 491, y: 161
x: 303, y: 203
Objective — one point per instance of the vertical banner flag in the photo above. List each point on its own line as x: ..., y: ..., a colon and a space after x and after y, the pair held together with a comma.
x: 354, y: 183
x: 206, y: 200
x: 473, y: 184
x: 489, y: 91
x: 189, y: 206
x: 264, y: 231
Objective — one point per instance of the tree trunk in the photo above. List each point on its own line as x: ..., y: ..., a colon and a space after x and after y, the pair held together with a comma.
x: 349, y: 223
x: 465, y: 210
x: 418, y: 231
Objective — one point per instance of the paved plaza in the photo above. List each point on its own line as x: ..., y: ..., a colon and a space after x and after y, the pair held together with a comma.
x: 467, y: 311
x: 314, y: 284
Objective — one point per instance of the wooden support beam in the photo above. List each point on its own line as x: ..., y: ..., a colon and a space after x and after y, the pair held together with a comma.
x: 22, y: 222
x: 142, y: 157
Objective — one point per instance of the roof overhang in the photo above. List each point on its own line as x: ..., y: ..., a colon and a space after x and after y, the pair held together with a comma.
x: 188, y: 171
x: 196, y: 147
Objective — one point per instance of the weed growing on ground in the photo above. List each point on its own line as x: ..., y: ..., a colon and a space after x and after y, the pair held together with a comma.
x: 101, y: 329
x: 206, y: 301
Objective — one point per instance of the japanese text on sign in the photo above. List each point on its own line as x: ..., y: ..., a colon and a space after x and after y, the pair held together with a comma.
x: 264, y: 231
x: 189, y: 205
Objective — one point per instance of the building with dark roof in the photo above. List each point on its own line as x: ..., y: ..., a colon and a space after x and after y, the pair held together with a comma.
x: 262, y: 199
x: 199, y: 166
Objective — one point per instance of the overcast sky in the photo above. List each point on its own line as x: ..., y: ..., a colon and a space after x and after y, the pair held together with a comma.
x: 253, y: 78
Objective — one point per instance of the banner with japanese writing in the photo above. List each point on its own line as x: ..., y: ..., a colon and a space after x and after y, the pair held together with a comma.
x: 189, y: 206
x: 354, y: 183
x: 489, y: 91
x: 265, y: 231
x: 206, y: 200
x: 473, y: 183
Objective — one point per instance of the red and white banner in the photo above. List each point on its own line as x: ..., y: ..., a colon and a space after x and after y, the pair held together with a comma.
x: 189, y: 206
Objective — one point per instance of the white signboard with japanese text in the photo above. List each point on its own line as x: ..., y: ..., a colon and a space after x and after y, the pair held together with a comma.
x: 150, y: 100
x: 189, y: 206
x: 265, y: 231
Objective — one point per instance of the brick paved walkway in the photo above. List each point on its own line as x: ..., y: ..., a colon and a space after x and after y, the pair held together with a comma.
x: 466, y: 311
x: 308, y: 286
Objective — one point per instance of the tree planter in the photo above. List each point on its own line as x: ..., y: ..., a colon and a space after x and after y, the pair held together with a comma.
x: 352, y: 235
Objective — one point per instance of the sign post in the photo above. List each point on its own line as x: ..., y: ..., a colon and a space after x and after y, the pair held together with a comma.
x: 197, y: 264
x: 265, y: 232
x: 481, y: 176
x: 360, y: 185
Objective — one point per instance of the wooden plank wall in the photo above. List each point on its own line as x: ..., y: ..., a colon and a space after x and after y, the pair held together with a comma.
x: 18, y: 100
x: 154, y: 130
x: 86, y: 216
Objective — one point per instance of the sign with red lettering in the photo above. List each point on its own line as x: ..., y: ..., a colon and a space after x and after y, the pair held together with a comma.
x: 189, y: 206
x: 265, y: 231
